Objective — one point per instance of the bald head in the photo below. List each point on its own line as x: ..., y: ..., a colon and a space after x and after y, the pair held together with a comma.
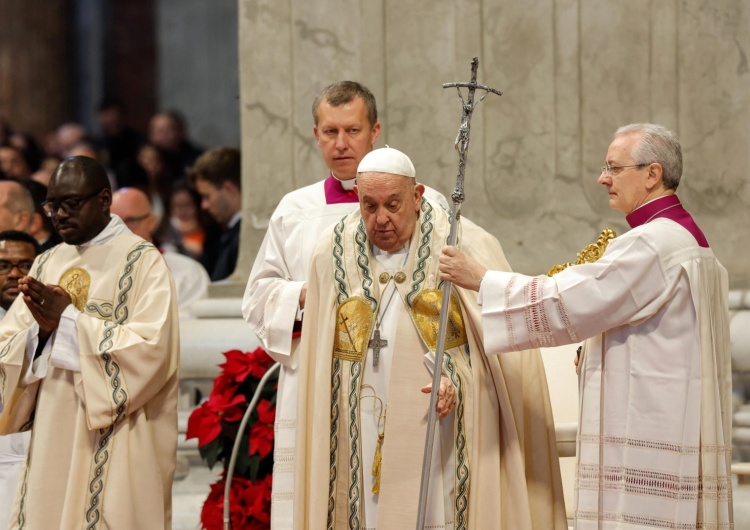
x: 134, y: 208
x: 89, y: 173
x: 16, y: 206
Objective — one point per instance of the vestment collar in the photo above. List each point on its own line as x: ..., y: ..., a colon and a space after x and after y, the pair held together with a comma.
x: 336, y: 191
x: 114, y: 228
x: 669, y: 207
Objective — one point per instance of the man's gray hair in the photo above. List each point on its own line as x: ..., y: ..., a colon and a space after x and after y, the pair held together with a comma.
x: 19, y: 198
x: 657, y: 144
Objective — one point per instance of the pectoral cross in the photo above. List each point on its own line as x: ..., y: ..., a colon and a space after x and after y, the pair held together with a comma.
x: 376, y: 343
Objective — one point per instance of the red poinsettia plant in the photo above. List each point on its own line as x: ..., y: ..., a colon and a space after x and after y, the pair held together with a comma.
x: 215, y: 423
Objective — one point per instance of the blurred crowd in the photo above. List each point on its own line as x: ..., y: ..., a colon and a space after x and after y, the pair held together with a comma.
x: 193, y: 194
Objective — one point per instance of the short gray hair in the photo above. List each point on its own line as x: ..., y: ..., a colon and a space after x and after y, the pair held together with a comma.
x: 657, y: 144
x: 19, y: 198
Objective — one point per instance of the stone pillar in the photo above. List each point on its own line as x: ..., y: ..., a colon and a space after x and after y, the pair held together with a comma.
x: 36, y: 75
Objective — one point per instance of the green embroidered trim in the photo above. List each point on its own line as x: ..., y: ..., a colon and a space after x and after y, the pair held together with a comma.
x: 364, y: 262
x: 112, y: 368
x: 22, y: 502
x: 43, y: 261
x: 462, y: 467
x: 3, y: 353
x: 354, y: 489
x: 104, y: 309
x: 96, y: 487
x: 126, y: 281
x: 335, y: 389
x: 423, y: 252
x: 339, y: 274
x: 119, y: 396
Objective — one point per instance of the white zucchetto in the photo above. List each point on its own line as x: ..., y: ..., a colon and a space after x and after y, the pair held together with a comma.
x: 387, y: 160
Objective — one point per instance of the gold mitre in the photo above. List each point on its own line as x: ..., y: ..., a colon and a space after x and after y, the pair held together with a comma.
x: 590, y: 253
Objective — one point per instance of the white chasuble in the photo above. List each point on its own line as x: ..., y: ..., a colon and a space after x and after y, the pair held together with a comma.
x: 495, y: 460
x: 104, y: 432
x: 654, y: 438
x: 270, y: 306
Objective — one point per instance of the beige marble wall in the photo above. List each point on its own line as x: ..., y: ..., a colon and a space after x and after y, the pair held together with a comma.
x: 572, y: 71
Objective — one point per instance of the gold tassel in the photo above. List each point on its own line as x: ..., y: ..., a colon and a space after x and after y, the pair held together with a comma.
x: 376, y: 462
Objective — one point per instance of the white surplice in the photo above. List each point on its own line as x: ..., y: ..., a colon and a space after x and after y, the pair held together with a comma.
x: 271, y: 306
x: 190, y: 280
x: 654, y: 436
x: 13, y: 449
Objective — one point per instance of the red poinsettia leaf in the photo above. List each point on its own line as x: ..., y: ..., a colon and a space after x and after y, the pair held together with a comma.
x: 261, y: 439
x: 259, y: 362
x: 203, y: 424
x: 259, y: 503
x: 266, y: 412
x: 225, y: 384
x: 217, y: 424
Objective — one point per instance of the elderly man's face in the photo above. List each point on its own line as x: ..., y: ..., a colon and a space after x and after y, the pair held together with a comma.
x: 134, y: 208
x: 345, y: 135
x: 11, y: 216
x: 390, y: 207
x: 16, y: 258
x: 627, y: 185
x: 82, y: 208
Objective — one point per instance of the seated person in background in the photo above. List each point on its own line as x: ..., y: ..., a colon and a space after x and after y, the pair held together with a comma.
x: 41, y: 225
x: 217, y: 177
x: 187, y: 221
x: 16, y: 206
x: 168, y: 132
x: 190, y: 278
x: 47, y: 166
x: 13, y: 163
x: 17, y: 253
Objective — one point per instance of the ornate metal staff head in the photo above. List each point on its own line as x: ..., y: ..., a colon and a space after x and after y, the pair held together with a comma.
x: 462, y: 139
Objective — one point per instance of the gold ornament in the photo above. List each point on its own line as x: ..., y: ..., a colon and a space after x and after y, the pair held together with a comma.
x: 425, y: 311
x: 354, y: 321
x: 590, y: 253
x: 76, y: 282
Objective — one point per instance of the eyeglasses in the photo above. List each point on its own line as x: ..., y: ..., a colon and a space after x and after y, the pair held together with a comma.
x: 609, y: 171
x: 71, y: 205
x: 24, y: 266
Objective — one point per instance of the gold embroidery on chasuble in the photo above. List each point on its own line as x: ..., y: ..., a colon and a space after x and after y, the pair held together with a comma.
x: 425, y: 312
x: 354, y: 321
x: 76, y: 282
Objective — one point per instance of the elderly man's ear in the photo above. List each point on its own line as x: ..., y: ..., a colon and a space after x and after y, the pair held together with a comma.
x: 655, y: 174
